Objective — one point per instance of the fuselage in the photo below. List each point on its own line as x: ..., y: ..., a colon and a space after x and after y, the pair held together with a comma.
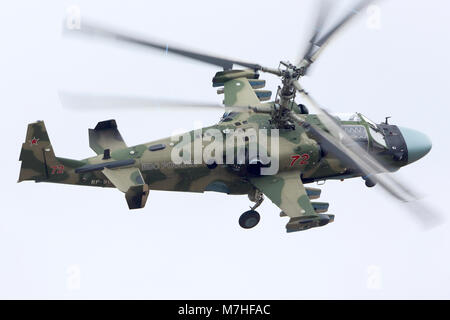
x: 297, y: 151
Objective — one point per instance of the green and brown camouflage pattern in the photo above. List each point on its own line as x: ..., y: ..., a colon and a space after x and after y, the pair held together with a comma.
x: 300, y: 161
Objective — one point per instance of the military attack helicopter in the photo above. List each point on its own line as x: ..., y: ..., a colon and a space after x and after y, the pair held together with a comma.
x: 311, y: 146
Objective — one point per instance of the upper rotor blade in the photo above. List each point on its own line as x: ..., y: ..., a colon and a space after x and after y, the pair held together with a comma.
x: 324, y: 9
x: 352, y: 153
x: 318, y: 44
x: 98, y: 31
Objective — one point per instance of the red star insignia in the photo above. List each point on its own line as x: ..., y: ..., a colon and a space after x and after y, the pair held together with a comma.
x: 34, y: 141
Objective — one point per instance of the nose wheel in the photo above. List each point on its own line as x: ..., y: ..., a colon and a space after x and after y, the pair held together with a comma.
x: 369, y: 182
x: 250, y: 218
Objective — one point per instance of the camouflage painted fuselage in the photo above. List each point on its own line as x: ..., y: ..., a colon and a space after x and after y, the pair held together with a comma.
x: 301, y: 158
x: 298, y: 152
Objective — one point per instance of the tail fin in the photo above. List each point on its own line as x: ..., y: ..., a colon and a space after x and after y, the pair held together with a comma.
x: 105, y: 136
x: 38, y: 159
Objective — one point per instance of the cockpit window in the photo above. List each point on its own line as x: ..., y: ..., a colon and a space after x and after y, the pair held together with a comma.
x: 376, y: 133
x: 370, y: 122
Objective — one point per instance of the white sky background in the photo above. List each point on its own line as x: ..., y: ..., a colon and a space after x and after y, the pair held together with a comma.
x: 72, y: 242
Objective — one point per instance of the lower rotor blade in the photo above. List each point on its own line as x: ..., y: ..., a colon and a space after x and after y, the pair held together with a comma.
x: 94, y: 102
x: 91, y: 29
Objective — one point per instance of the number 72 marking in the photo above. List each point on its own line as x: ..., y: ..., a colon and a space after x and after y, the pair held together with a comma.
x: 304, y: 159
x: 59, y: 169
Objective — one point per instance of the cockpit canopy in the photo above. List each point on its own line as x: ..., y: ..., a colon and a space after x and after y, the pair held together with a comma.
x: 348, y: 117
x: 375, y: 132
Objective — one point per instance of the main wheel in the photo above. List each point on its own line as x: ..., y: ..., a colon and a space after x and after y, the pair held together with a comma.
x: 249, y: 219
x: 370, y: 183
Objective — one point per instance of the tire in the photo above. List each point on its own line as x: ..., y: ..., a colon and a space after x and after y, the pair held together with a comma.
x: 249, y: 219
x: 370, y: 184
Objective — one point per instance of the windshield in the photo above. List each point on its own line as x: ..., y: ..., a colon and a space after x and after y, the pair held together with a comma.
x: 375, y: 133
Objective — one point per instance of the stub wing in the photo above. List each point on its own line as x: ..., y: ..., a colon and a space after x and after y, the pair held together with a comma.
x: 286, y: 190
x: 131, y: 182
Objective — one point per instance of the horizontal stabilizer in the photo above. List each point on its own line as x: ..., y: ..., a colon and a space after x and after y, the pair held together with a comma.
x: 103, y: 165
x: 137, y: 196
x: 104, y: 136
x: 124, y: 178
x: 131, y: 182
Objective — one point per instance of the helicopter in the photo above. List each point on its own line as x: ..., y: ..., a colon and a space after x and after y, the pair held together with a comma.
x: 305, y: 147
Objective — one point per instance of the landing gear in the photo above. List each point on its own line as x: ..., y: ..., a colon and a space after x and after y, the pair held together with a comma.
x: 250, y: 218
x: 370, y: 183
x: 257, y: 197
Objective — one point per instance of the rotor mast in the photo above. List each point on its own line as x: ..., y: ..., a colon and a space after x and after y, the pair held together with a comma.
x: 286, y: 94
